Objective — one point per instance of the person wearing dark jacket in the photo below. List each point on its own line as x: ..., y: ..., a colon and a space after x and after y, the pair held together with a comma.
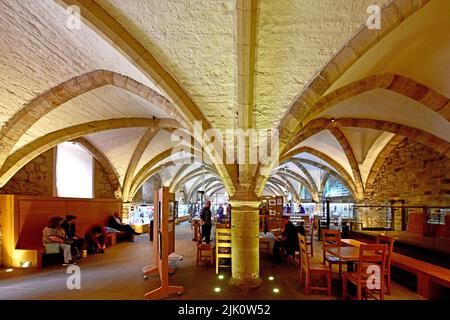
x: 205, y: 221
x: 70, y: 228
x: 116, y: 223
x: 95, y: 239
x: 288, y: 240
x: 301, y: 228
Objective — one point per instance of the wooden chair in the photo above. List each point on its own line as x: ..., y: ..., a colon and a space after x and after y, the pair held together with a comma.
x: 203, y: 248
x: 312, y: 269
x: 264, y: 245
x: 331, y: 238
x: 309, y: 228
x: 370, y: 255
x: 387, y: 268
x: 223, y: 248
x: 195, y: 227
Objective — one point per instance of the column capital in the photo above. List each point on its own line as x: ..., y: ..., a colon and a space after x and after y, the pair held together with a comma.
x: 244, y: 199
x: 244, y: 205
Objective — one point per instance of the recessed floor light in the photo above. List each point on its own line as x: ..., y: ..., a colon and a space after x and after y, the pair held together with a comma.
x: 217, y: 289
x: 276, y: 290
x: 271, y: 278
x: 221, y: 277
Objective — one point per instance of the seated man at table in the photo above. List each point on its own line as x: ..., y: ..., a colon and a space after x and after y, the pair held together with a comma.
x: 287, y: 240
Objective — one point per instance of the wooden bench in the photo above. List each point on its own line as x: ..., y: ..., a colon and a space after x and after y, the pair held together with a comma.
x: 429, y: 276
x: 112, y: 237
x: 35, y: 254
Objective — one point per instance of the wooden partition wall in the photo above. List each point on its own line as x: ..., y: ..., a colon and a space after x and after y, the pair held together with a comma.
x: 24, y: 217
x: 163, y: 242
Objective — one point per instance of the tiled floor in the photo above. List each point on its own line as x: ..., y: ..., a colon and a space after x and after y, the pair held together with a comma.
x: 118, y: 275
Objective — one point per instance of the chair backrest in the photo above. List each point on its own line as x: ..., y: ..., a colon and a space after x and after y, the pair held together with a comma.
x: 369, y: 256
x: 198, y: 233
x: 331, y: 238
x: 223, y: 234
x: 309, y: 228
x: 223, y: 240
x: 304, y: 259
x: 390, y: 248
x: 223, y: 225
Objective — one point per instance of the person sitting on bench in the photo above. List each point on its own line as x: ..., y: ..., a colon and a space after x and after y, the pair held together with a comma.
x: 69, y: 227
x: 95, y: 239
x: 54, y: 239
x: 116, y: 223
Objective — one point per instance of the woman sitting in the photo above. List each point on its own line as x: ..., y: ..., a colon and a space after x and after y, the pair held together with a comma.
x: 69, y: 227
x: 54, y: 239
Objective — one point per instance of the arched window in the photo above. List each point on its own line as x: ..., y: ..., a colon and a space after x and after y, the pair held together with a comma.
x: 74, y: 171
x: 305, y: 194
x: 334, y: 188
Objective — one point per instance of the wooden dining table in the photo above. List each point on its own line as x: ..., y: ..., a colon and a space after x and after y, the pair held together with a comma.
x: 346, y: 254
x: 349, y: 254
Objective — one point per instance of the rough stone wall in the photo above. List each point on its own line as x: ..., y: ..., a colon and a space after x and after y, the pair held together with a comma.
x: 413, y: 172
x: 145, y: 194
x: 34, y: 179
x: 103, y: 188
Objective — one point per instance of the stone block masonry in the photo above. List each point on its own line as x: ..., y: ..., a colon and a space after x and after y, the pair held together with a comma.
x: 413, y: 172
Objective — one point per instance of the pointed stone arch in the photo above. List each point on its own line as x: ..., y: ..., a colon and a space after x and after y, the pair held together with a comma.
x: 26, y: 117
x: 391, y: 16
x: 110, y: 171
x: 415, y: 134
x: 397, y: 83
x: 22, y: 156
x: 350, y: 155
x: 136, y: 157
x: 108, y: 28
x: 342, y: 172
x: 378, y: 163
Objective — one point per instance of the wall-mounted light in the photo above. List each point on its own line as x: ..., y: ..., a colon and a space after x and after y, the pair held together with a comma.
x: 25, y: 264
x: 9, y: 270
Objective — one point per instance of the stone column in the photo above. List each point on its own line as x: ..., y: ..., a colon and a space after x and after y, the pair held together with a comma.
x: 125, y: 211
x: 245, y: 242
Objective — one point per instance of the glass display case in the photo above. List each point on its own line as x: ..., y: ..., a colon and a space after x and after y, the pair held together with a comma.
x: 343, y: 210
x: 140, y: 215
x: 183, y: 209
x: 311, y: 208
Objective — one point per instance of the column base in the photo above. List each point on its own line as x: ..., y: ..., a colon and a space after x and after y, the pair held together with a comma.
x: 247, y: 285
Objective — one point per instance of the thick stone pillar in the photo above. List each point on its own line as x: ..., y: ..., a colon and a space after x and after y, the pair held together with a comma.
x: 245, y: 243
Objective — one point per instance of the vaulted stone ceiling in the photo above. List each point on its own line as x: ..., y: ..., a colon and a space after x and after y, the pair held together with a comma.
x: 292, y: 65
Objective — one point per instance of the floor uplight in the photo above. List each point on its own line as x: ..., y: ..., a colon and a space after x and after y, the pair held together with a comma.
x: 217, y: 289
x: 276, y: 290
x: 271, y: 278
x: 221, y: 276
